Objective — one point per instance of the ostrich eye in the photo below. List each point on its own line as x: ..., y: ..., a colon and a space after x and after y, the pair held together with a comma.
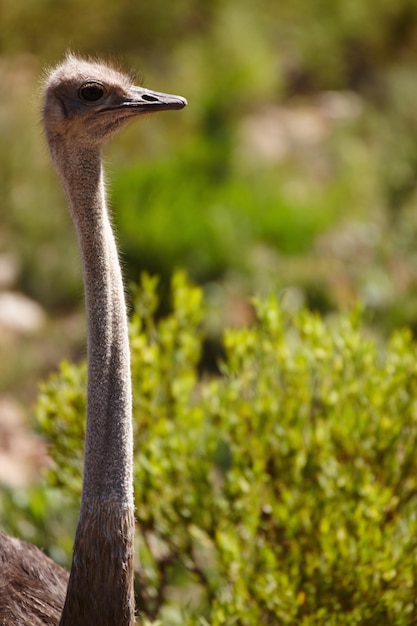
x: 92, y: 92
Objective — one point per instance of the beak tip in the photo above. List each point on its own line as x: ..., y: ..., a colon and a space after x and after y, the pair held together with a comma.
x: 182, y: 102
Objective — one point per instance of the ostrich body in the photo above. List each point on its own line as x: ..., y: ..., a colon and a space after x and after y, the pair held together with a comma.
x: 85, y: 103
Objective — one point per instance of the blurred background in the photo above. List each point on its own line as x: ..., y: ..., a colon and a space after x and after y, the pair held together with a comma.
x: 293, y: 170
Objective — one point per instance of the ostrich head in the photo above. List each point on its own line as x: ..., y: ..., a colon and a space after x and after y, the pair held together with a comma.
x: 87, y: 101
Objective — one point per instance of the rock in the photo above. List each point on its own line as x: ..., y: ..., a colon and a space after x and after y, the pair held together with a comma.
x: 20, y: 314
x: 22, y: 453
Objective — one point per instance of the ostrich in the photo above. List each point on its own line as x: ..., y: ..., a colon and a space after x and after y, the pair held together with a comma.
x: 85, y: 103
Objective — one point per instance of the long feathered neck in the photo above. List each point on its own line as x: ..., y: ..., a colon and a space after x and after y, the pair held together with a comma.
x: 100, y: 589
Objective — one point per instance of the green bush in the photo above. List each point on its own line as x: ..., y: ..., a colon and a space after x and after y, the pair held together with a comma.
x: 282, y: 491
x: 210, y: 223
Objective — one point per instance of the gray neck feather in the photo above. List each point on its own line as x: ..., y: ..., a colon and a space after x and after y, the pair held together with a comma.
x: 101, y: 578
x: 108, y: 445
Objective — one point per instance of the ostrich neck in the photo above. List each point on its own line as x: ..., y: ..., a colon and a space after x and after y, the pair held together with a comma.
x: 101, y: 578
x: 108, y: 444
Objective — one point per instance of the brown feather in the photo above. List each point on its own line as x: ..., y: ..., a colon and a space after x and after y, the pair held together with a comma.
x: 32, y: 586
x: 101, y: 580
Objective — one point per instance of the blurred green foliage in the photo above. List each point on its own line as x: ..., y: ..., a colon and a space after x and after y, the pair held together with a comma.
x: 231, y: 215
x: 283, y: 491
x: 196, y: 189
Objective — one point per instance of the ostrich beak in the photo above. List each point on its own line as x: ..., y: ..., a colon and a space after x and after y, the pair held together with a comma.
x: 147, y: 100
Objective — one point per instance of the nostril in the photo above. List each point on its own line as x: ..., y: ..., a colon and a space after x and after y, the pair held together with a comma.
x: 149, y: 98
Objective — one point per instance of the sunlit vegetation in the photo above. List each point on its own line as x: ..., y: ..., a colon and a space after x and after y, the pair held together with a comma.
x: 282, y: 491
